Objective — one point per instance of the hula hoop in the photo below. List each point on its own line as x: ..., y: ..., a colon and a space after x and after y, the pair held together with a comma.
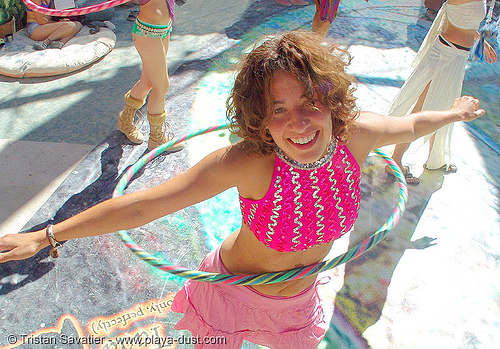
x: 74, y: 11
x: 266, y: 278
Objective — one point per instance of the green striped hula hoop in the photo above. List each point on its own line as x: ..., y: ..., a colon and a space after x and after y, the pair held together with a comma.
x: 265, y: 278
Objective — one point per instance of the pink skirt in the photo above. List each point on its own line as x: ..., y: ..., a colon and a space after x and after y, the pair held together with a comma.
x: 241, y: 313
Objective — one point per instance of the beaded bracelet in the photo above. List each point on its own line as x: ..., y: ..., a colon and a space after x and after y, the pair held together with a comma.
x: 54, y: 252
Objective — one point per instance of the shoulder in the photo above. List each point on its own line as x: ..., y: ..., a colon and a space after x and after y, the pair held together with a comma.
x: 239, y: 157
x: 364, y: 137
x: 240, y: 165
x: 366, y: 117
x: 251, y: 172
x: 368, y: 123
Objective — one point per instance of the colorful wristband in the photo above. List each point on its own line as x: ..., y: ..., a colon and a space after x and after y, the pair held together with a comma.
x: 54, y: 252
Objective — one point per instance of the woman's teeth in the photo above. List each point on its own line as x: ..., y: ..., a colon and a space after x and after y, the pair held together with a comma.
x: 303, y: 140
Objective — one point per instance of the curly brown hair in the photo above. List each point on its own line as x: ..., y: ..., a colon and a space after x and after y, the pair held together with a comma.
x: 321, y: 68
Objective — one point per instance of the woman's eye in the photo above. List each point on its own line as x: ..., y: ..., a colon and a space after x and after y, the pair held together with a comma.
x: 279, y: 110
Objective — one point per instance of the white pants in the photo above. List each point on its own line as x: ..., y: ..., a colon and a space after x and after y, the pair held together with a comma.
x: 444, y: 67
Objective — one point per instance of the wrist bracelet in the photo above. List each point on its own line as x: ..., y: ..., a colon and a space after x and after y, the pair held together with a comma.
x: 54, y: 252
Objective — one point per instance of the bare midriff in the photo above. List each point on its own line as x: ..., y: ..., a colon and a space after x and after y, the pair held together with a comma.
x: 242, y: 253
x: 155, y: 12
x: 462, y: 37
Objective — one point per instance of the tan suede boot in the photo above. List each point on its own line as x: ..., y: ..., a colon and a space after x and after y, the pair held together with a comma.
x: 157, y: 134
x: 126, y: 119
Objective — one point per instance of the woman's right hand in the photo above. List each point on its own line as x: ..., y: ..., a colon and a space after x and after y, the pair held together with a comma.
x: 490, y: 54
x: 21, y: 246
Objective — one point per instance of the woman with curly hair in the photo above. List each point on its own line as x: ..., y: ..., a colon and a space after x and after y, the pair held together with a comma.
x: 297, y: 171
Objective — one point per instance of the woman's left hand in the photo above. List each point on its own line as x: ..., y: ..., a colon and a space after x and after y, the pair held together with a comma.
x: 490, y: 54
x: 468, y: 108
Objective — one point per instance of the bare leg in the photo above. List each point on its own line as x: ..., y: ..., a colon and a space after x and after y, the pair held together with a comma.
x: 154, y: 74
x: 418, y: 107
x: 431, y: 143
x: 134, y: 99
x: 141, y: 88
x: 400, y: 149
x: 61, y: 31
x: 76, y: 29
x: 320, y: 27
x: 154, y: 78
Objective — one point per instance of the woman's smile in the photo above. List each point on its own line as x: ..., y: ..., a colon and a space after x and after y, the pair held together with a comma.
x: 304, y: 141
x: 300, y: 125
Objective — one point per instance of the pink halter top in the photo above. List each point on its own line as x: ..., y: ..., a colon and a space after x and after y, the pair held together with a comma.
x: 306, y: 204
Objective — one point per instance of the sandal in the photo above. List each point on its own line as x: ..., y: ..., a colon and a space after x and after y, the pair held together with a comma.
x: 410, y: 179
x: 56, y: 44
x: 448, y: 168
x: 39, y: 46
x: 94, y: 29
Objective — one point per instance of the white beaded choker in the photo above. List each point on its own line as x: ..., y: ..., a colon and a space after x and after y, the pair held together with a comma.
x: 312, y: 165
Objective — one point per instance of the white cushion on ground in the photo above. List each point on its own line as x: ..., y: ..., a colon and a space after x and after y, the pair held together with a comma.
x: 18, y: 59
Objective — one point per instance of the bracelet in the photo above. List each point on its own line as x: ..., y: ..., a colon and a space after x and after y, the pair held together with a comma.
x: 54, y: 252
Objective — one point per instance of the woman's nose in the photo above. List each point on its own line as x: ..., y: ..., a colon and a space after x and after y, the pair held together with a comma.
x: 299, y: 118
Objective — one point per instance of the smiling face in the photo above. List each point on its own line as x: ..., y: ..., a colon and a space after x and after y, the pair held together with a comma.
x: 300, y: 127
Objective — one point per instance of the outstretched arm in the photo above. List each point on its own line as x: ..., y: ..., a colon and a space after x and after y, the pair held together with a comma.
x: 376, y: 130
x: 204, y: 180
